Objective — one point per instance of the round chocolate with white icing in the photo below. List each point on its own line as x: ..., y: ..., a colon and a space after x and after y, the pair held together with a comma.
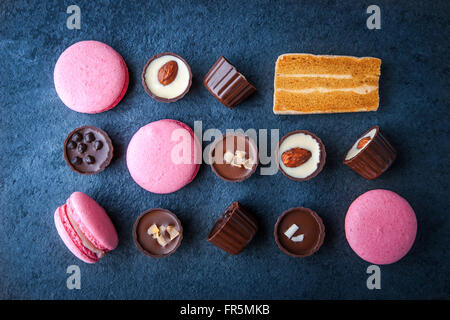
x: 166, y: 77
x: 371, y: 154
x: 299, y: 232
x: 300, y: 155
x: 234, y: 157
x: 88, y: 150
x: 152, y: 236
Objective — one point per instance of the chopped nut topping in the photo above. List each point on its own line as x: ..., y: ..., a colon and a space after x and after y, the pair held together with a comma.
x: 238, y: 159
x: 159, y: 233
x: 173, y: 233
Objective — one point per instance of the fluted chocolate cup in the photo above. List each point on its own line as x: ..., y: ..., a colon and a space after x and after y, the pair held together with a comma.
x: 234, y: 229
x: 371, y: 154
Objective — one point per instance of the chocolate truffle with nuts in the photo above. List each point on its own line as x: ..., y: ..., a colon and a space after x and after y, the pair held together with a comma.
x: 301, y: 155
x: 234, y: 157
x: 157, y: 233
x: 166, y: 77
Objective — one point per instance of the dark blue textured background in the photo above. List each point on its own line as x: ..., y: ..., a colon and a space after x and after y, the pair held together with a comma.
x: 414, y: 114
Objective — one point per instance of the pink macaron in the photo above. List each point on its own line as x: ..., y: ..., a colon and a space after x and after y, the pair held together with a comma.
x: 380, y: 226
x: 164, y: 156
x: 85, y: 228
x: 90, y: 77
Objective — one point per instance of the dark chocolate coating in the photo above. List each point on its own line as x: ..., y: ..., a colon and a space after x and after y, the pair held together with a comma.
x: 310, y: 225
x: 81, y: 154
x: 226, y: 171
x: 227, y: 84
x: 150, y: 93
x: 377, y: 156
x: 145, y: 242
x: 234, y: 229
x: 323, y: 155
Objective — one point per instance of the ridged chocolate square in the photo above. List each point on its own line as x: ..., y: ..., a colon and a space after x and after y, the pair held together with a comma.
x: 227, y: 84
x: 234, y: 229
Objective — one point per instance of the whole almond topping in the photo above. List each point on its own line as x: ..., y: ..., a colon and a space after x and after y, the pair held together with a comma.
x: 168, y: 72
x: 295, y: 157
x: 362, y: 142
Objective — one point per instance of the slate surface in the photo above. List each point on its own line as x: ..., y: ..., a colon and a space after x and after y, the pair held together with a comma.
x: 414, y: 114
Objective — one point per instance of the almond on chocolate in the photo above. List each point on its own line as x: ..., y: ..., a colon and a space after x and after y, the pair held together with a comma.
x: 168, y: 72
x: 295, y: 157
x: 300, y: 155
x: 363, y: 142
x: 166, y: 77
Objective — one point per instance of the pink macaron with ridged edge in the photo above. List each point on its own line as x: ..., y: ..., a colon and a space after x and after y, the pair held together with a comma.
x: 90, y: 77
x: 164, y: 156
x: 380, y: 226
x: 85, y: 228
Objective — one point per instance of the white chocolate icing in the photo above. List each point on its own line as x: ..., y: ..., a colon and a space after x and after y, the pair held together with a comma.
x: 354, y: 150
x: 304, y: 141
x: 173, y: 89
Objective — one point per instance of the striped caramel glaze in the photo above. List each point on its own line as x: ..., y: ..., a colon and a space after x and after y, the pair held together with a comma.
x: 375, y: 158
x: 306, y: 83
x: 234, y: 229
x: 227, y: 84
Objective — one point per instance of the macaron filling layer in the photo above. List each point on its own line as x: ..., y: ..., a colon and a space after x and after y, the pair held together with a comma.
x: 80, y: 239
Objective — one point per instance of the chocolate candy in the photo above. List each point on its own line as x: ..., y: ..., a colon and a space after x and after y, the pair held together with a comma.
x: 166, y: 77
x: 82, y: 148
x: 88, y: 150
x: 300, y: 155
x: 75, y: 160
x: 234, y: 157
x: 371, y: 154
x: 299, y: 232
x: 71, y: 145
x: 234, y: 229
x: 98, y: 145
x: 76, y: 137
x: 89, y: 159
x: 157, y: 233
x: 89, y: 137
x: 227, y: 84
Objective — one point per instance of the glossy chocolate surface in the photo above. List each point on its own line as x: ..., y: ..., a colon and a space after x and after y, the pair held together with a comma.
x: 232, y: 143
x: 376, y: 157
x: 234, y: 229
x: 310, y: 225
x: 88, y: 150
x: 146, y: 243
x: 227, y: 84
